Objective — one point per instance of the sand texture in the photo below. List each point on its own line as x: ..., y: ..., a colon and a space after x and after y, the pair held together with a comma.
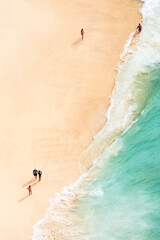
x: 54, y: 91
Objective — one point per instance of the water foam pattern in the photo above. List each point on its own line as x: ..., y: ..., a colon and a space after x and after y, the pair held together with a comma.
x: 132, y: 89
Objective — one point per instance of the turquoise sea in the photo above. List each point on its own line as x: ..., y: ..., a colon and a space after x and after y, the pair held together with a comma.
x: 119, y: 197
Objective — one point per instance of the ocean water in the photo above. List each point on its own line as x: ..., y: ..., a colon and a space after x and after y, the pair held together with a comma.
x: 119, y: 197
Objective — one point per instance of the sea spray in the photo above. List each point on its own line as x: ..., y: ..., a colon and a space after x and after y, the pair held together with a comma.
x: 118, y: 199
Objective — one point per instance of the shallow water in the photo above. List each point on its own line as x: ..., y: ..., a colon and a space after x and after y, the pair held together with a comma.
x: 118, y: 199
x: 121, y: 201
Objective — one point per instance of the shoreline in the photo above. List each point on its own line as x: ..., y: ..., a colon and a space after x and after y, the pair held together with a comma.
x: 41, y: 128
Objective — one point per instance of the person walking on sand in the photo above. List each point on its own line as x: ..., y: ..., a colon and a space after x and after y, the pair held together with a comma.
x: 29, y: 189
x: 82, y: 33
x: 40, y: 175
x: 35, y: 173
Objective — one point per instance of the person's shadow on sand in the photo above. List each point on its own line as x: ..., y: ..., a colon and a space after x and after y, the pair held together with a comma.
x: 26, y: 184
x: 77, y: 42
x: 32, y: 180
x: 20, y: 200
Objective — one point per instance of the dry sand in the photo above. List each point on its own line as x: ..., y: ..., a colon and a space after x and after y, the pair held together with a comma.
x: 54, y: 91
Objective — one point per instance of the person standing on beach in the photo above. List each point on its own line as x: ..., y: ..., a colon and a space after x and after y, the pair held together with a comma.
x: 29, y: 189
x: 40, y: 175
x: 139, y: 28
x: 35, y: 173
x: 82, y: 33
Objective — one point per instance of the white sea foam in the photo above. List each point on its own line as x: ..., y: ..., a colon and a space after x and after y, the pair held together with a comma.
x: 127, y: 101
x: 132, y: 89
x: 148, y: 9
x: 96, y: 192
x: 127, y: 49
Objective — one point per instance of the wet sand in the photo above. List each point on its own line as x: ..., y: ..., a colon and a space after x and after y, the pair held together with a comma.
x: 54, y: 93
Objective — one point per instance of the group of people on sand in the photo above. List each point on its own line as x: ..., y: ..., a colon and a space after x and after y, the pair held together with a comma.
x: 35, y: 174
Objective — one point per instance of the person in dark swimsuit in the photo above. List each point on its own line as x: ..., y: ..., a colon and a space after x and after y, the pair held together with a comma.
x: 40, y: 175
x: 82, y: 33
x: 35, y: 172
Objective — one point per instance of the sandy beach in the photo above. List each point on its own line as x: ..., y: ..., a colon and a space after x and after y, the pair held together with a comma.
x: 54, y: 93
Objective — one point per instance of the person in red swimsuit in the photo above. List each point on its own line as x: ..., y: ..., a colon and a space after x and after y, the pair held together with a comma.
x: 139, y: 27
x: 29, y: 189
